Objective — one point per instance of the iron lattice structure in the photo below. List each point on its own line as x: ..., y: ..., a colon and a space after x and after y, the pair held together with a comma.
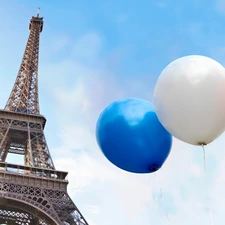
x: 34, y: 193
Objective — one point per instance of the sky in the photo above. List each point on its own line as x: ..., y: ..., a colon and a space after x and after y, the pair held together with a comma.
x: 96, y: 52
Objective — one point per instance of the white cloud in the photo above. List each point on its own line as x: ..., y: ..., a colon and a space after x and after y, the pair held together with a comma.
x: 59, y: 44
x: 84, y: 169
x: 94, y: 209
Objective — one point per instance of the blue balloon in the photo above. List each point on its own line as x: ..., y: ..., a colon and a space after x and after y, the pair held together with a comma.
x: 131, y: 136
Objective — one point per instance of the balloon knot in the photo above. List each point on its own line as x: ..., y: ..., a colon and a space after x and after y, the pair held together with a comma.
x: 154, y: 168
x: 202, y: 143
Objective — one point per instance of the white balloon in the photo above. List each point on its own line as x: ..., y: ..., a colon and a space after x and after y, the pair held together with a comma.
x: 189, y: 99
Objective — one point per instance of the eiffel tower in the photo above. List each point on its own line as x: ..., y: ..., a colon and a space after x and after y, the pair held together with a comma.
x: 34, y: 193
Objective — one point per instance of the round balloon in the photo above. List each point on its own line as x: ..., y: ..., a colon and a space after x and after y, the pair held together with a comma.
x: 131, y: 136
x: 189, y: 99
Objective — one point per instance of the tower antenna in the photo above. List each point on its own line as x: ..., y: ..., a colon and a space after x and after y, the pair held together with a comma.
x: 38, y: 11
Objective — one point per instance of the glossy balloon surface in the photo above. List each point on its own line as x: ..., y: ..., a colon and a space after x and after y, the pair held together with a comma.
x: 189, y: 99
x: 131, y: 136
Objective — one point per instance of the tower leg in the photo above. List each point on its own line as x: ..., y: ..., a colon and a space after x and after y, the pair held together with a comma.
x: 4, y: 138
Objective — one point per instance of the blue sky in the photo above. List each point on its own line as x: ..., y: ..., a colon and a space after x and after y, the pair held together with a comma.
x: 95, y: 52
